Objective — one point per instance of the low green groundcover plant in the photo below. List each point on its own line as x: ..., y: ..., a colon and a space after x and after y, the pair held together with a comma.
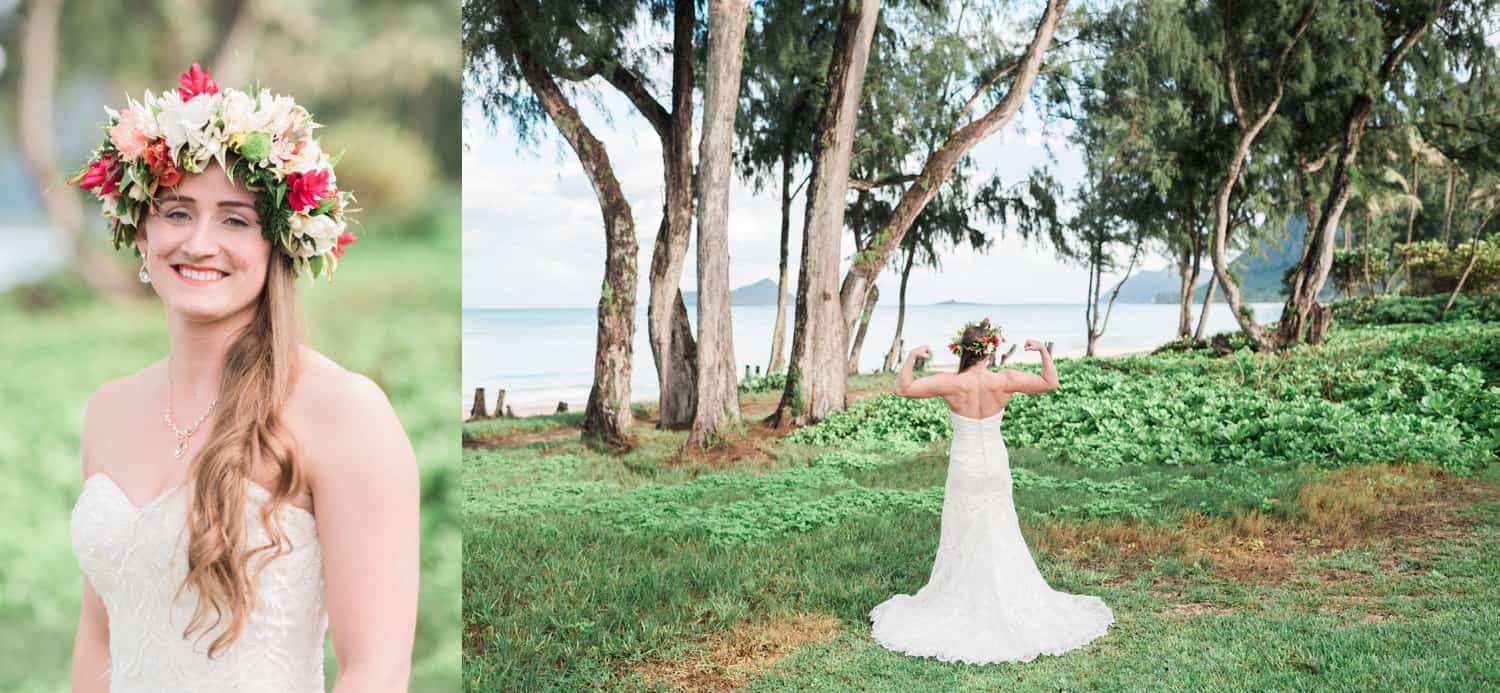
x: 1424, y: 394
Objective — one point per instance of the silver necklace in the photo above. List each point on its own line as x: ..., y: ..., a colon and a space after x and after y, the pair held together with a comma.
x: 183, y: 434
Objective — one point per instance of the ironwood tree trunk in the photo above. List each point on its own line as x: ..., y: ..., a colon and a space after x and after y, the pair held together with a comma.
x: 893, y: 355
x: 1317, y: 255
x: 1208, y: 301
x: 671, y: 336
x: 1312, y: 272
x: 1249, y: 130
x: 868, y: 263
x: 35, y: 85
x: 816, y: 382
x: 718, y: 395
x: 1189, y: 265
x: 778, y: 333
x: 864, y: 327
x: 1468, y: 266
x: 1448, y: 194
x: 607, y: 416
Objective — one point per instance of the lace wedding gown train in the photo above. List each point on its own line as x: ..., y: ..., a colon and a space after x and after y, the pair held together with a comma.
x: 985, y: 600
x: 135, y: 557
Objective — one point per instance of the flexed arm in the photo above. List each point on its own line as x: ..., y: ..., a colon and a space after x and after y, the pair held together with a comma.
x: 1030, y: 383
x: 930, y: 386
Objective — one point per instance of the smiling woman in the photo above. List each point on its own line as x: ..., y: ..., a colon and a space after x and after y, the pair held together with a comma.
x: 228, y: 559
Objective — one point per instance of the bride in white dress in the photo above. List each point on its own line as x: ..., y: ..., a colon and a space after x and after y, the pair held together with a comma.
x: 244, y: 495
x: 985, y: 600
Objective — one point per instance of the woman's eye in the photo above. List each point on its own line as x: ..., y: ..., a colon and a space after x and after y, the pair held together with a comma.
x: 236, y: 221
x: 178, y: 215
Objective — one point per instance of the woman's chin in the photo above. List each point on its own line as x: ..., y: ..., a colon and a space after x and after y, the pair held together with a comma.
x: 204, y: 308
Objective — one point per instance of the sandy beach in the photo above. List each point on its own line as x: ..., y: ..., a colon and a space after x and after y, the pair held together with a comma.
x: 939, y: 367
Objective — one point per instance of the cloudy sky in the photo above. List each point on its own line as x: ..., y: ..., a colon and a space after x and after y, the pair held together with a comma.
x: 533, y: 234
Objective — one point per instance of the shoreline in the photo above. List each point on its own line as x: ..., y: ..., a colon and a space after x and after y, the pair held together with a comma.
x: 577, y: 406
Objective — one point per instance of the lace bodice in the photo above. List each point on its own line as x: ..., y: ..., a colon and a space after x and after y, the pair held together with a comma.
x: 135, y: 557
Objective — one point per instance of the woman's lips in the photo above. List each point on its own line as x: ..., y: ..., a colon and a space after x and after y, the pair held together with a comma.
x: 199, y: 276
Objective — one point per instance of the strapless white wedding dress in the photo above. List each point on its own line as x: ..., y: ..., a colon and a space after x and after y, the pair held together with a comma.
x: 136, y: 559
x: 985, y: 600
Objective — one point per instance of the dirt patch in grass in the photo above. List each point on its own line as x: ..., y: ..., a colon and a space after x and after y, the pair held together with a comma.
x: 476, y: 639
x: 726, y: 661
x: 734, y: 448
x: 1190, y: 609
x: 1368, y: 505
x: 502, y: 440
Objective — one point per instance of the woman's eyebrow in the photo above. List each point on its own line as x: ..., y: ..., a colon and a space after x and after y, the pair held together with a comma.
x: 236, y: 203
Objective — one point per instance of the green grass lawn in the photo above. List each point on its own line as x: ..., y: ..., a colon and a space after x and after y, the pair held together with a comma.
x: 392, y: 314
x: 1323, y: 520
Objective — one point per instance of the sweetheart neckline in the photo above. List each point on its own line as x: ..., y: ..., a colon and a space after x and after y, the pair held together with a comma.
x: 171, y: 491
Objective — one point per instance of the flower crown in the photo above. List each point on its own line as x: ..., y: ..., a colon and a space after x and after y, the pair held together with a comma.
x: 158, y: 139
x: 988, y: 341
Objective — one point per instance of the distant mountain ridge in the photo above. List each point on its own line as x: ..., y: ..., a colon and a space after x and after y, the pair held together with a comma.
x: 1259, y: 270
x: 761, y: 293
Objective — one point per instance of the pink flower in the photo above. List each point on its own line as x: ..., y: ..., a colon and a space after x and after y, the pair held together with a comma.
x: 344, y: 239
x: 194, y: 82
x: 305, y: 189
x: 129, y: 135
x: 163, y: 169
x: 101, y: 176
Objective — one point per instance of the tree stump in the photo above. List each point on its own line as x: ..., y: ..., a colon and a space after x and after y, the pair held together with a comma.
x: 1049, y: 347
x: 510, y: 413
x: 500, y: 404
x: 747, y: 371
x: 1317, y: 329
x: 478, y: 411
x: 1220, y: 344
x: 1008, y: 353
x: 562, y: 407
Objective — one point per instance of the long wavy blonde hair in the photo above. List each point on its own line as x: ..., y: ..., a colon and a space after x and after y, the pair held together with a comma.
x: 248, y: 433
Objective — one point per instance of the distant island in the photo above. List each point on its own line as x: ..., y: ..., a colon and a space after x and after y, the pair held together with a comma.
x: 761, y: 293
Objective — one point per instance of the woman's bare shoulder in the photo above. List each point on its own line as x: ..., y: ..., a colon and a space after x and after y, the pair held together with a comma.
x: 109, y: 402
x: 335, y: 393
x: 339, y: 416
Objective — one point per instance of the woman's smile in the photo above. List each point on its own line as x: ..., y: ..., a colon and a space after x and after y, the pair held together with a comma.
x: 198, y: 275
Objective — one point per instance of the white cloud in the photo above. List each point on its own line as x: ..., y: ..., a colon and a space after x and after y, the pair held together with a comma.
x: 533, y: 234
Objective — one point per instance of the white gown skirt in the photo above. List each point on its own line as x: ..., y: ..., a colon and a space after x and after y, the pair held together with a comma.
x: 985, y: 601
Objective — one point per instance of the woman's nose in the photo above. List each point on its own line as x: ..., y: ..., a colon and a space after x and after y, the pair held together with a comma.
x: 200, y: 242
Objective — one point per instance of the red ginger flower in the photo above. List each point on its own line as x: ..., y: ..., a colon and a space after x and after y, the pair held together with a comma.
x: 99, y: 174
x: 344, y: 239
x: 304, y: 190
x: 194, y: 82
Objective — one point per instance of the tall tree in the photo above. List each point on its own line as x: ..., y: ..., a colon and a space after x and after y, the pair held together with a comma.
x: 599, y: 43
x: 1247, y: 44
x: 503, y: 46
x: 816, y: 380
x: 672, y: 348
x: 869, y: 260
x: 786, y: 58
x: 1402, y: 26
x: 718, y: 397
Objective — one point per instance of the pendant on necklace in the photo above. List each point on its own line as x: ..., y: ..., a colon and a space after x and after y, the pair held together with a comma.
x: 181, y: 448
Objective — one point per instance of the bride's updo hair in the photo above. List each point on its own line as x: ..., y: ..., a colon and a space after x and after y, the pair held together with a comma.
x: 973, y: 348
x: 248, y: 435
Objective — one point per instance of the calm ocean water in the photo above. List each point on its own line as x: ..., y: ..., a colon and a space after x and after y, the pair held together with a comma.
x: 543, y: 355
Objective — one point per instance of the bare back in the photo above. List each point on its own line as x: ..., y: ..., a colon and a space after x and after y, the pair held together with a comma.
x: 976, y: 393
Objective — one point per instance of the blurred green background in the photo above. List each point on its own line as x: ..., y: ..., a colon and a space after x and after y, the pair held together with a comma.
x: 383, y: 78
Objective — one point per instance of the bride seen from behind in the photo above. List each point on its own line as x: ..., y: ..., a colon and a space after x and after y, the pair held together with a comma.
x: 245, y: 495
x: 985, y: 600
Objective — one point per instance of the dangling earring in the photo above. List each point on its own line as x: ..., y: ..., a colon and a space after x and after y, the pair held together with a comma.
x: 143, y: 274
